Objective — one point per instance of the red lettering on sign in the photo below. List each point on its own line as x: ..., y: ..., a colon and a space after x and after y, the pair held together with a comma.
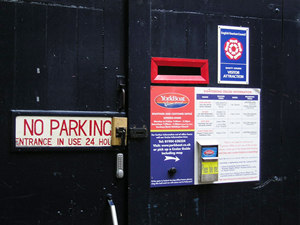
x: 80, y: 128
x: 63, y: 128
x: 34, y: 125
x: 90, y: 134
x: 27, y: 125
x: 52, y: 127
x: 41, y: 129
x: 104, y: 141
x: 104, y: 125
x: 74, y: 141
x: 33, y: 141
x: 73, y: 128
x: 90, y: 141
x: 77, y: 127
x: 96, y: 126
x: 60, y: 141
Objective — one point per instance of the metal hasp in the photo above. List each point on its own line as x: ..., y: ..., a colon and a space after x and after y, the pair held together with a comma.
x: 138, y: 132
x: 112, y: 209
x: 119, y: 131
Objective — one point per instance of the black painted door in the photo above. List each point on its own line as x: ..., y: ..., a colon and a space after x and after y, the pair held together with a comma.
x: 60, y: 55
x: 188, y: 29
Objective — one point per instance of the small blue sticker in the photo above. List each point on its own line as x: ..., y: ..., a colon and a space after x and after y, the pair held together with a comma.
x: 209, y: 152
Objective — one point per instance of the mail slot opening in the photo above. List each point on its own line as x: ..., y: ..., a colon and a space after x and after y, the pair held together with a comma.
x: 175, y: 70
x: 179, y: 71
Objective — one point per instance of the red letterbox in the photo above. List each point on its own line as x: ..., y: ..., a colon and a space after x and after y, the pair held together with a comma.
x: 179, y: 71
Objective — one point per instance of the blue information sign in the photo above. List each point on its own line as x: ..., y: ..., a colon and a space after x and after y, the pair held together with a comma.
x: 172, y: 150
x: 233, y: 55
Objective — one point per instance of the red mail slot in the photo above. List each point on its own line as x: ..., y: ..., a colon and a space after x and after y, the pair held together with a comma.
x: 179, y: 71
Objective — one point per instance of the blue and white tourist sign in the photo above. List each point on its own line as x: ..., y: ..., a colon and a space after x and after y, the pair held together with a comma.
x: 233, y: 55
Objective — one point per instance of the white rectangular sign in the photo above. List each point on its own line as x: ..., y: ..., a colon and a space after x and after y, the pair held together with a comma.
x: 230, y: 116
x: 57, y: 131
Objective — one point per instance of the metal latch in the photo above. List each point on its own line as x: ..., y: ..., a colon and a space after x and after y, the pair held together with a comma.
x: 119, y: 131
x: 138, y: 132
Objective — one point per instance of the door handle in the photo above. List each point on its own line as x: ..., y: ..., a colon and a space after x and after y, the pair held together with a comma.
x: 121, y: 85
x: 123, y: 98
x: 112, y: 209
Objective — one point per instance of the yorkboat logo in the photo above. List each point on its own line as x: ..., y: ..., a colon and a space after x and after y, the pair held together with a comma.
x: 172, y: 100
x: 209, y: 152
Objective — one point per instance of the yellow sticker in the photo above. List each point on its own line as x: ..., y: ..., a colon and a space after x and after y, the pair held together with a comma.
x: 210, y: 167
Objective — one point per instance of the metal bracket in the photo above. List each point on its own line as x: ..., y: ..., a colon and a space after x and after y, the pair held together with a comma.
x: 138, y: 132
x: 119, y: 131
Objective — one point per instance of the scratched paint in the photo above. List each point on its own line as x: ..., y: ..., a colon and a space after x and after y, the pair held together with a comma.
x: 274, y: 179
